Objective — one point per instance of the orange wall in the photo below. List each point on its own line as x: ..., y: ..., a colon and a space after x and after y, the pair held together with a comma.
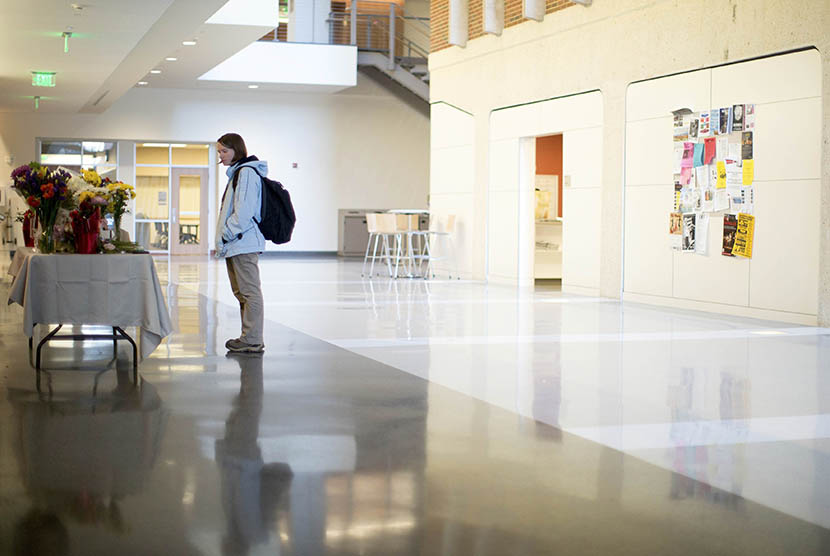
x: 549, y: 160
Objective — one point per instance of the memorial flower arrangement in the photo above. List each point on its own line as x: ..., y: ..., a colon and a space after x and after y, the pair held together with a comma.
x: 45, y: 191
x: 120, y: 194
x: 86, y: 221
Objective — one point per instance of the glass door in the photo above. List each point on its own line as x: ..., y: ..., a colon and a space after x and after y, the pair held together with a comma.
x: 189, y: 209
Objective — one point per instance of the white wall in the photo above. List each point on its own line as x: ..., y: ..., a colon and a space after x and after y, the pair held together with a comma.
x: 360, y: 148
x: 782, y: 274
x: 451, y: 180
x: 510, y: 218
x: 606, y: 47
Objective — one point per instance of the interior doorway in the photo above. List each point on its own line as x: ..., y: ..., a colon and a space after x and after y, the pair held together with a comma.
x: 189, y: 208
x: 547, y: 252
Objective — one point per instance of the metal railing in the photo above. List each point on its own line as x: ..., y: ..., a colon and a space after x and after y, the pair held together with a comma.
x: 375, y: 27
x: 391, y: 33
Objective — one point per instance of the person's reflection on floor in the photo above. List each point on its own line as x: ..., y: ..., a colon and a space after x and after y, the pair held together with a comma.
x: 251, y: 490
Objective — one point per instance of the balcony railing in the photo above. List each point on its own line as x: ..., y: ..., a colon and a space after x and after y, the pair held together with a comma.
x: 374, y: 27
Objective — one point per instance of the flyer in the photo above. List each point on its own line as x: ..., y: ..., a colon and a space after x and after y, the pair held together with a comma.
x: 748, y: 172
x: 688, y: 242
x: 697, y: 157
x: 734, y: 153
x: 749, y: 122
x: 678, y: 188
x: 704, y: 129
x: 678, y: 157
x: 702, y: 234
x: 675, y: 230
x: 721, y: 200
x: 710, y: 149
x: 693, y: 126
x: 681, y: 126
x: 730, y: 228
x: 721, y: 183
x: 734, y: 173
x: 725, y: 121
x: 745, y: 233
x: 707, y: 203
x: 737, y: 117
x: 746, y: 145
x: 702, y: 177
x: 722, y: 149
x: 685, y: 175
x: 688, y: 155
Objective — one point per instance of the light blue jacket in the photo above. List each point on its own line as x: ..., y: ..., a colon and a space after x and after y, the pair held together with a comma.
x: 236, y: 232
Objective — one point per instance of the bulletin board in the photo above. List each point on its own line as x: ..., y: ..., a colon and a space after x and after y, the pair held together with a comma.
x: 714, y: 170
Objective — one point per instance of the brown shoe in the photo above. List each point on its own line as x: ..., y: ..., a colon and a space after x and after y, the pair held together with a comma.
x: 238, y: 346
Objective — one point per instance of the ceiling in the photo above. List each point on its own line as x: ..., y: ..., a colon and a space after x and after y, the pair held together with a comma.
x: 115, y: 44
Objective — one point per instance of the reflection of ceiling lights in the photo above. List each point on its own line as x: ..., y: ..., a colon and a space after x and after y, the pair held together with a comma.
x: 155, y: 71
x: 171, y: 59
x: 143, y: 83
x: 253, y: 86
x: 189, y: 43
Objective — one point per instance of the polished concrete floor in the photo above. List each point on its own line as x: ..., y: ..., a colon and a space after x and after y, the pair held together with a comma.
x: 410, y: 417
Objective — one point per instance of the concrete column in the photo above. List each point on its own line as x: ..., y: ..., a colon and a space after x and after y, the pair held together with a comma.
x: 613, y: 178
x: 459, y: 16
x: 494, y: 16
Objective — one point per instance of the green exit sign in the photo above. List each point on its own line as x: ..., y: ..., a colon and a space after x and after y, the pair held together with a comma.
x: 43, y: 78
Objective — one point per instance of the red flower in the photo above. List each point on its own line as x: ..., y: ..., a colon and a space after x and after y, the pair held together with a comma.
x: 33, y: 201
x: 49, y: 194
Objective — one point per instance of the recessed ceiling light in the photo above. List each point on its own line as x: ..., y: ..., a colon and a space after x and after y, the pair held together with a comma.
x: 142, y: 83
x: 189, y: 43
x: 253, y: 86
x: 155, y: 71
x: 171, y: 59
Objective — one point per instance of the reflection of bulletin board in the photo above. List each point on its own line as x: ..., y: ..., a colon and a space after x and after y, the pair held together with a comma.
x: 713, y: 170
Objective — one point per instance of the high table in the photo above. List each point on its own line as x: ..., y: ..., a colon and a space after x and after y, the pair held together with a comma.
x: 113, y: 290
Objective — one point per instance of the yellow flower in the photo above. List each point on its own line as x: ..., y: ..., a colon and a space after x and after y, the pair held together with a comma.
x: 85, y: 196
x: 92, y: 177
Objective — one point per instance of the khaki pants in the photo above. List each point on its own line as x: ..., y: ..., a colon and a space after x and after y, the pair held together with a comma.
x: 243, y: 271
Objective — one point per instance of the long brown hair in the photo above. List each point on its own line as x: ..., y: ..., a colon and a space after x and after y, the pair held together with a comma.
x: 234, y: 141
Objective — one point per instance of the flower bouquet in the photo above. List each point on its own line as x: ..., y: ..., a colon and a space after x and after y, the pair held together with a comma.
x: 86, y: 222
x: 30, y: 222
x: 45, y: 191
x: 119, y: 194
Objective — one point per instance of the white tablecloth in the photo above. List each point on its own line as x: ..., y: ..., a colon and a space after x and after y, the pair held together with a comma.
x: 19, y: 257
x: 111, y: 290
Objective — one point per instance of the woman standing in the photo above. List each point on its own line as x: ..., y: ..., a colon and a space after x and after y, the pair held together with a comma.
x: 239, y: 240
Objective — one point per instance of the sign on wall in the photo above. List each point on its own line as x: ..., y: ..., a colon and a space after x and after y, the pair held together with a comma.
x: 714, y: 171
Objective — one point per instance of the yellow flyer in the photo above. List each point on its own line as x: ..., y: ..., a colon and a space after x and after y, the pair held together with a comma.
x: 721, y: 183
x: 744, y: 236
x: 749, y: 172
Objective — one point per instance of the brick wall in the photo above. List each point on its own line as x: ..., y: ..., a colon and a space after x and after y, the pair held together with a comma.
x: 439, y: 24
x: 439, y: 14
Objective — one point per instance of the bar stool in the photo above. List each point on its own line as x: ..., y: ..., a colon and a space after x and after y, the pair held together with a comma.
x: 434, y: 234
x: 382, y: 228
x: 405, y: 225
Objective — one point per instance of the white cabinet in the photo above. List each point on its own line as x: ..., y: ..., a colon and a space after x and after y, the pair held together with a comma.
x: 548, y: 252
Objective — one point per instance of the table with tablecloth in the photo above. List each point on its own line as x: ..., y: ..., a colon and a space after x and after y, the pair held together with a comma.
x: 111, y: 290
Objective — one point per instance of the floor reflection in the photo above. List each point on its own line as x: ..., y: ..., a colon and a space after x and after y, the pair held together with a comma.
x: 251, y: 489
x: 81, y: 456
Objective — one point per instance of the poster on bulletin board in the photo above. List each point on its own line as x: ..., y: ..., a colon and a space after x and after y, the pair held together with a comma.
x: 714, y: 174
